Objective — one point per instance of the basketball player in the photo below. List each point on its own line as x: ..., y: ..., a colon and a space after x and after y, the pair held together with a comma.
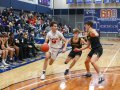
x: 95, y: 53
x: 55, y: 38
x: 76, y: 43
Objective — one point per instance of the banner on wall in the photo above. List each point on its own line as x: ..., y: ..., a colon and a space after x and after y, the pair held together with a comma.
x: 98, y: 1
x: 70, y: 1
x: 105, y: 20
x: 30, y: 1
x: 118, y: 1
x: 44, y: 2
x: 88, y: 1
x: 107, y: 1
x: 79, y: 1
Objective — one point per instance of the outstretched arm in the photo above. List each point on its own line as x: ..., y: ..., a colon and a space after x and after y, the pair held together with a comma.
x: 88, y: 45
x: 83, y: 48
x: 83, y: 41
x: 46, y: 40
x: 65, y: 45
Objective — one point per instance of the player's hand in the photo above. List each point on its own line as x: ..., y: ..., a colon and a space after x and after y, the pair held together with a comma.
x: 64, y: 49
x: 76, y: 50
x: 29, y: 46
x: 2, y: 46
x: 17, y: 41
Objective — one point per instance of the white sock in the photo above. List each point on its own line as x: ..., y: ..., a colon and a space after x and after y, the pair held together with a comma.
x: 68, y: 68
x: 100, y: 74
x: 88, y: 73
x: 5, y: 60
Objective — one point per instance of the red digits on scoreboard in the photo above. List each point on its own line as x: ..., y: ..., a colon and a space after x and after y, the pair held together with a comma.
x: 108, y: 13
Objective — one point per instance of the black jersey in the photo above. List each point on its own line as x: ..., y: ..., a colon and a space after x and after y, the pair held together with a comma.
x: 94, y: 41
x: 76, y: 45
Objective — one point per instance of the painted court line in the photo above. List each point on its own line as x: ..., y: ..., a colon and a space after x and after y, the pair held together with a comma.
x: 92, y: 82
x: 53, y: 79
x: 112, y: 60
x: 48, y: 80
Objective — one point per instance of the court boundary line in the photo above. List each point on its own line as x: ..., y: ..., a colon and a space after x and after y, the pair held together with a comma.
x: 82, y: 70
x: 63, y: 78
x: 76, y: 70
x: 105, y: 70
x: 111, y: 61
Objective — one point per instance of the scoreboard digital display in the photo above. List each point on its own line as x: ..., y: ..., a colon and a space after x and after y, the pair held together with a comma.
x: 88, y: 1
x: 98, y: 1
x: 107, y: 1
x: 70, y: 1
x: 108, y: 13
x: 106, y: 20
x: 79, y: 1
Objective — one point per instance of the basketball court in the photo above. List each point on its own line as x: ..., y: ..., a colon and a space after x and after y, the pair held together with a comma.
x: 105, y: 15
x: 28, y: 76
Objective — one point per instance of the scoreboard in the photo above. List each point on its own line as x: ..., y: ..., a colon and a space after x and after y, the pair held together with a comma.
x: 108, y: 13
x: 105, y: 20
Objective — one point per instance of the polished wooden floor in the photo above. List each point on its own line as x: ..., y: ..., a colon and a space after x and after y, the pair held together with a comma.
x: 27, y: 77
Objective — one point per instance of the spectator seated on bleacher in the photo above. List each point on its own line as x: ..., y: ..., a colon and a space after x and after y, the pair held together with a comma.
x: 11, y: 44
x: 10, y: 51
x: 28, y: 46
x: 3, y: 53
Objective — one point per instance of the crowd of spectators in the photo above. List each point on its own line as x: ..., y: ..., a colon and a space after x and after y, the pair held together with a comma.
x: 18, y: 29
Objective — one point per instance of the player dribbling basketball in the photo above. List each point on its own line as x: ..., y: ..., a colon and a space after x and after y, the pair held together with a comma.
x: 55, y: 38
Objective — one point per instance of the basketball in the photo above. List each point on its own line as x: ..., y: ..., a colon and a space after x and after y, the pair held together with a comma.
x: 44, y: 47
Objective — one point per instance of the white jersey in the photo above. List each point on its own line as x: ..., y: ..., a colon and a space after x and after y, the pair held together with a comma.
x: 55, y: 39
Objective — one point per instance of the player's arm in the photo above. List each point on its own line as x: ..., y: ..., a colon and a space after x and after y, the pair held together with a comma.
x: 83, y: 41
x: 93, y: 33
x: 65, y: 41
x: 87, y: 46
x: 47, y: 38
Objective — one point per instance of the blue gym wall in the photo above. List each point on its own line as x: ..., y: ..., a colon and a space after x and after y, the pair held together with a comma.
x: 24, y: 6
x: 111, y: 24
x: 105, y: 25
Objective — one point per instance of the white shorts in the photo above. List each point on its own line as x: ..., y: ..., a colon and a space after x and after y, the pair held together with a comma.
x: 54, y: 52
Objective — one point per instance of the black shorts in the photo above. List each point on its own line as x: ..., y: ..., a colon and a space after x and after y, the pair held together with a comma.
x: 72, y: 54
x: 98, y: 51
